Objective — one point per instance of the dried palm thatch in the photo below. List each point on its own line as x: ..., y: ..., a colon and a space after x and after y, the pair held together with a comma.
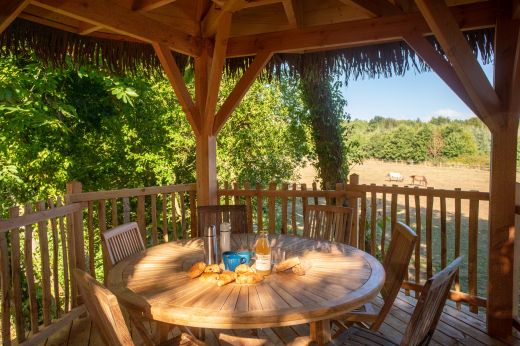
x: 57, y: 47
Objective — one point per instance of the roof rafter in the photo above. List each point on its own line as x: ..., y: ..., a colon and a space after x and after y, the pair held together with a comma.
x: 212, y: 20
x: 124, y: 21
x: 356, y: 33
x: 293, y: 11
x: 86, y: 28
x: 179, y: 87
x: 438, y: 64
x: 9, y: 10
x: 240, y: 89
x: 447, y: 31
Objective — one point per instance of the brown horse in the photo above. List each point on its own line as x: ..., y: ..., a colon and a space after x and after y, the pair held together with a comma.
x: 419, y: 180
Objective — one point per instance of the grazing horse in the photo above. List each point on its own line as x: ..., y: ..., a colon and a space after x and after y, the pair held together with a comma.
x: 394, y: 176
x: 419, y: 180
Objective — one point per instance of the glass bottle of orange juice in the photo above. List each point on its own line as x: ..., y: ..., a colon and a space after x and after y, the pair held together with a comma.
x: 263, y: 254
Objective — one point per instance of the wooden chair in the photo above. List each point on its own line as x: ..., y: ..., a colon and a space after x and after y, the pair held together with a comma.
x: 329, y: 223
x: 123, y: 241
x: 216, y: 214
x: 395, y: 263
x: 424, y: 319
x: 104, y: 311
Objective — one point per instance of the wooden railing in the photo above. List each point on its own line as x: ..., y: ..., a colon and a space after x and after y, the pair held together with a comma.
x: 36, y: 283
x: 164, y: 213
x: 447, y: 223
x: 39, y: 248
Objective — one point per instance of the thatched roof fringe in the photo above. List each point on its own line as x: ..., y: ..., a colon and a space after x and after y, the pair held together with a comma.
x: 55, y: 47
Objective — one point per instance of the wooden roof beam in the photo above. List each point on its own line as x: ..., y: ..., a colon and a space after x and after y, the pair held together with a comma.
x: 124, y: 21
x: 179, y: 87
x: 438, y: 64
x: 149, y: 5
x: 86, y: 28
x: 507, y: 63
x: 9, y: 10
x: 213, y: 18
x: 377, y: 7
x: 446, y: 29
x: 215, y: 72
x: 240, y: 89
x: 356, y: 33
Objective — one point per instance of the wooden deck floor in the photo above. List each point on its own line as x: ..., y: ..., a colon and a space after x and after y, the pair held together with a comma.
x: 455, y: 328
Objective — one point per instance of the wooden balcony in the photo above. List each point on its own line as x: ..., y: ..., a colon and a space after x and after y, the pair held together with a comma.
x: 56, y: 237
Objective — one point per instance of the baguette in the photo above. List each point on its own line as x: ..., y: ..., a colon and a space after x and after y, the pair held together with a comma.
x: 287, y: 264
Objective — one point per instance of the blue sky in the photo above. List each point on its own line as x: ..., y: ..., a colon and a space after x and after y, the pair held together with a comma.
x: 413, y: 96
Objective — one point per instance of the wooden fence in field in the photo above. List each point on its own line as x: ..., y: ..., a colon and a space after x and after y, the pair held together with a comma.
x: 40, y: 244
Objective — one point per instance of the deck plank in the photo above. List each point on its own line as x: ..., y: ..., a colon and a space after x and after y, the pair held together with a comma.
x: 456, y: 327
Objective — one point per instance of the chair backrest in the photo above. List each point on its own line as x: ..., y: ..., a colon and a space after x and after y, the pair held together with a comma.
x: 123, y: 241
x: 429, y: 307
x: 396, y: 263
x: 104, y: 310
x: 216, y: 214
x: 328, y: 222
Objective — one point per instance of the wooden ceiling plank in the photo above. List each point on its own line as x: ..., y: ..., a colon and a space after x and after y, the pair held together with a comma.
x: 174, y: 75
x: 438, y: 64
x: 149, y: 5
x: 215, y: 72
x: 9, y: 10
x: 356, y: 33
x: 213, y: 18
x: 447, y: 31
x: 288, y: 6
x: 124, y: 21
x: 240, y: 89
x: 377, y: 7
x: 406, y: 5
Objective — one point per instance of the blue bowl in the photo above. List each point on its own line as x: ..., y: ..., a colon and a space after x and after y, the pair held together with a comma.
x: 233, y: 259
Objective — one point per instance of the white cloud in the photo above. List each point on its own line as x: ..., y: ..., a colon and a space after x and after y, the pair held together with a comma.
x: 450, y: 113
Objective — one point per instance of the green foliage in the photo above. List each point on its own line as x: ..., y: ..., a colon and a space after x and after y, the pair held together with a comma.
x: 109, y: 132
x: 440, y: 139
x: 326, y: 111
x: 457, y: 142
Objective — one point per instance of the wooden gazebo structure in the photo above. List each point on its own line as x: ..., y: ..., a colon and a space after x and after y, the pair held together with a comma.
x: 250, y: 32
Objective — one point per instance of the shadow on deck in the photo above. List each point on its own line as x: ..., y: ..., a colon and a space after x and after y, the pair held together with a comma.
x: 455, y: 328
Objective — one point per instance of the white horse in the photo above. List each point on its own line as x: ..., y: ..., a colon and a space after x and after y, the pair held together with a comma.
x: 394, y: 176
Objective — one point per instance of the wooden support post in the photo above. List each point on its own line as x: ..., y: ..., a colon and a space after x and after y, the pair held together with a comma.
x: 502, y: 230
x: 206, y: 169
x: 516, y: 267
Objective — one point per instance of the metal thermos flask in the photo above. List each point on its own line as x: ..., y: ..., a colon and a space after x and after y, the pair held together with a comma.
x: 210, y: 245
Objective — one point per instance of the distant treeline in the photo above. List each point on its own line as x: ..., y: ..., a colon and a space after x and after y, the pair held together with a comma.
x: 440, y: 139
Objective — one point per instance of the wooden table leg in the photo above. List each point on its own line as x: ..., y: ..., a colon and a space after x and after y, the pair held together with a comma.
x: 163, y: 329
x: 320, y: 332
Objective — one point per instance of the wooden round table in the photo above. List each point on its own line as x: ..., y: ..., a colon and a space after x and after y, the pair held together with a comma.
x: 338, y: 279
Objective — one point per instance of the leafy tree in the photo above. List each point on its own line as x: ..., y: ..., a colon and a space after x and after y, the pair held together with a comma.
x: 326, y: 107
x: 457, y: 142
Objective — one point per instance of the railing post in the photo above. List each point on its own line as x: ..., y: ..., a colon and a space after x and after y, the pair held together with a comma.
x: 516, y: 263
x: 353, y: 203
x: 75, y: 187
